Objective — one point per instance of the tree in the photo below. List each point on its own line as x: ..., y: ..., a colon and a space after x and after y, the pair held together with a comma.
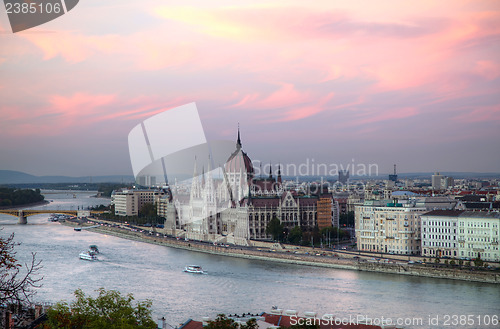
x: 223, y: 322
x: 478, y: 262
x: 437, y: 261
x: 295, y: 235
x: 109, y: 310
x: 275, y: 228
x: 17, y: 282
x: 148, y: 210
x: 347, y: 219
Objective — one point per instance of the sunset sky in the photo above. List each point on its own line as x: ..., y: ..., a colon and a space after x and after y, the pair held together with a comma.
x: 416, y: 83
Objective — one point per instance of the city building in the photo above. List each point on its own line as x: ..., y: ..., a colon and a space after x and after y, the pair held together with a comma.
x: 343, y: 176
x: 478, y: 235
x: 128, y: 202
x: 461, y: 234
x: 439, y: 233
x: 239, y: 206
x: 389, y: 227
x: 436, y: 181
x: 394, y: 176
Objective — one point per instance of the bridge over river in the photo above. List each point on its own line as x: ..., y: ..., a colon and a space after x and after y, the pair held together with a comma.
x: 23, y: 214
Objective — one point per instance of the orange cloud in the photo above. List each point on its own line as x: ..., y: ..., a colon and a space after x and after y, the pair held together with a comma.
x: 72, y: 47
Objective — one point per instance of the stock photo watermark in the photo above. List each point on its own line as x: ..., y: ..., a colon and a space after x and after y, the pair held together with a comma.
x: 26, y: 14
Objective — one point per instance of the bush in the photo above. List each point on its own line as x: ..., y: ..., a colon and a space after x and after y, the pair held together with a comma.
x: 109, y: 310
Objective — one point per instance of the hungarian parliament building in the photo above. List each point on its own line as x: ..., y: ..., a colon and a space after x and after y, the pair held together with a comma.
x: 234, y: 207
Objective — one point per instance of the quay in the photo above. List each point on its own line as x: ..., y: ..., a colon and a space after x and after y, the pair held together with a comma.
x: 267, y: 251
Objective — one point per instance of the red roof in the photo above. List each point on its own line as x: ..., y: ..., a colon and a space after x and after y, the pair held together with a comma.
x: 191, y: 324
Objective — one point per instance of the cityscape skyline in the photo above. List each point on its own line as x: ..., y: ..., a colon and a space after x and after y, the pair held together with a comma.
x: 335, y: 82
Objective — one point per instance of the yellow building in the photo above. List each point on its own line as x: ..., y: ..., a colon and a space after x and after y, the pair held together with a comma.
x: 388, y: 227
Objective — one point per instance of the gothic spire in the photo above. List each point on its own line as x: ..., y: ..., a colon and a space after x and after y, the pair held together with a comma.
x: 238, y: 142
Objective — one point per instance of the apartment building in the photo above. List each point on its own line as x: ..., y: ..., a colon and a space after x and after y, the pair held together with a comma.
x: 461, y: 234
x: 388, y: 227
x: 129, y: 202
x: 478, y: 235
x: 439, y: 233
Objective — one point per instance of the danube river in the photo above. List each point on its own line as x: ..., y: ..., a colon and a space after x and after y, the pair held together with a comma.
x: 235, y: 285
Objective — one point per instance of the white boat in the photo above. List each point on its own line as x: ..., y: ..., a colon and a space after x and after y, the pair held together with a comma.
x: 85, y: 255
x: 194, y: 269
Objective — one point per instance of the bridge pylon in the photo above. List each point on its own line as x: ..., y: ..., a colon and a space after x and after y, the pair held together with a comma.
x: 22, y: 219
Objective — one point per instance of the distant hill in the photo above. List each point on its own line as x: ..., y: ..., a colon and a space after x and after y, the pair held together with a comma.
x: 17, y: 177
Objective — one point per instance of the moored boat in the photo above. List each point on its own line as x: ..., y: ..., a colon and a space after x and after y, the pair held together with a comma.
x: 194, y: 269
x: 86, y: 255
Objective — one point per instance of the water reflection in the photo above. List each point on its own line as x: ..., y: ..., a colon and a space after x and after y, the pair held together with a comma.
x: 232, y: 284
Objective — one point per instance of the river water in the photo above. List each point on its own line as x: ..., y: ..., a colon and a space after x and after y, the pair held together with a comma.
x: 235, y: 285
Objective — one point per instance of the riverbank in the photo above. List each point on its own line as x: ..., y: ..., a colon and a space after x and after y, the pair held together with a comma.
x: 319, y: 259
x: 27, y: 205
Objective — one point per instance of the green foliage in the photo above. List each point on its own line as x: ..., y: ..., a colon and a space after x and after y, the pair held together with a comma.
x: 148, y: 210
x: 295, y: 235
x: 134, y: 220
x: 446, y: 261
x: 15, y: 197
x: 460, y: 262
x: 109, y: 310
x: 437, y: 261
x: 107, y: 188
x: 335, y: 233
x: 452, y: 262
x: 223, y: 322
x: 478, y: 262
x: 275, y: 228
x: 347, y: 219
x: 101, y: 207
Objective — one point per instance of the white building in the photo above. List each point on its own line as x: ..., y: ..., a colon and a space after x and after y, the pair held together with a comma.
x: 126, y: 203
x: 129, y: 202
x: 436, y: 181
x: 439, y: 233
x: 461, y: 234
x: 478, y: 234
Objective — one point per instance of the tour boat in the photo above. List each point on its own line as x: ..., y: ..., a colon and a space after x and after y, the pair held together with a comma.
x: 194, y: 269
x: 85, y: 255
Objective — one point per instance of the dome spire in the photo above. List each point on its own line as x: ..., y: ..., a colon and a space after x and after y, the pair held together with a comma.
x: 238, y: 141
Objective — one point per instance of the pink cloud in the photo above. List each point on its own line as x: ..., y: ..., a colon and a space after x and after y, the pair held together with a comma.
x: 308, y: 110
x: 487, y: 69
x: 286, y: 103
x: 481, y: 114
x: 72, y: 47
